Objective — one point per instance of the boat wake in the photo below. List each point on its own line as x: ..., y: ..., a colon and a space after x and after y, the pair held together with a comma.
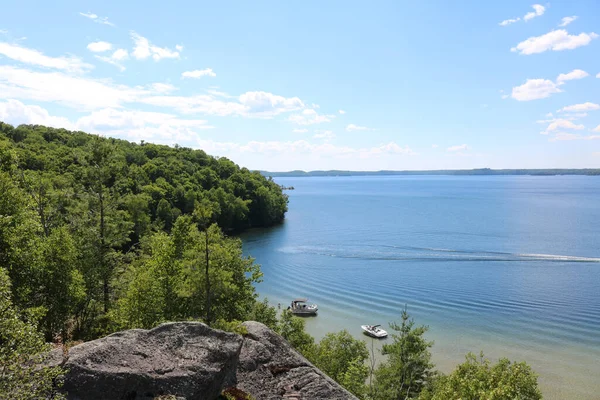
x: 408, y: 253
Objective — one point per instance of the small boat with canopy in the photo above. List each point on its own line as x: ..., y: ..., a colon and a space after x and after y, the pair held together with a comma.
x: 300, y: 307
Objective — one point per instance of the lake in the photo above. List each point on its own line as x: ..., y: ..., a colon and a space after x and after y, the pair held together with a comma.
x: 507, y: 265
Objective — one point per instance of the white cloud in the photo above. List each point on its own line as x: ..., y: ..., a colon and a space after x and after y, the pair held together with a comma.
x: 34, y: 57
x: 163, y: 87
x: 561, y: 123
x: 97, y: 19
x: 460, y: 147
x: 434, y: 146
x: 144, y: 49
x: 352, y: 128
x: 73, y: 91
x: 116, y: 58
x: 299, y: 130
x: 556, y: 40
x: 344, y: 112
x: 598, y: 75
x: 15, y: 112
x: 572, y: 136
x: 567, y: 20
x: 575, y: 74
x: 534, y: 89
x: 113, y: 118
x: 587, y: 106
x: 303, y: 147
x: 99, y: 47
x: 597, y: 129
x: 509, y: 21
x: 538, y: 10
x: 120, y: 55
x: 549, y: 115
x: 310, y: 117
x: 249, y: 104
x: 505, y: 96
x: 327, y: 135
x: 179, y: 47
x: 198, y: 73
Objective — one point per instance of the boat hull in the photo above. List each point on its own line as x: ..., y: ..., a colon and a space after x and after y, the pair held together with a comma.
x: 379, y: 334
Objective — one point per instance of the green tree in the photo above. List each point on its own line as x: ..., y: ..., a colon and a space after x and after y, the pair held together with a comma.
x: 292, y: 330
x: 336, y: 351
x: 22, y: 350
x: 264, y: 313
x: 408, y: 366
x: 478, y: 379
x: 343, y: 358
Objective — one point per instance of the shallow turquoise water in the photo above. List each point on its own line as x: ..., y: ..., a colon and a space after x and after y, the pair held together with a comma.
x: 507, y: 265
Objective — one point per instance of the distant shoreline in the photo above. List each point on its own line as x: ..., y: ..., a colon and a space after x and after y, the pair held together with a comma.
x: 458, y: 172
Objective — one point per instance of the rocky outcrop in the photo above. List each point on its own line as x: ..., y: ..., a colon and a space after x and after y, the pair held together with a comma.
x: 269, y: 368
x: 185, y: 359
x: 189, y: 360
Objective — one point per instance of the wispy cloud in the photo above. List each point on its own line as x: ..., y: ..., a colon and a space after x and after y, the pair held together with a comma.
x: 298, y: 130
x: 538, y: 10
x: 115, y: 58
x: 310, y: 116
x: 587, y: 106
x: 37, y: 58
x: 556, y: 40
x: 559, y: 124
x: 326, y: 135
x: 344, y: 112
x: 457, y: 148
x: 198, y: 73
x: 572, y: 136
x: 575, y: 74
x: 97, y: 19
x: 144, y: 49
x: 352, y: 128
x: 567, y: 20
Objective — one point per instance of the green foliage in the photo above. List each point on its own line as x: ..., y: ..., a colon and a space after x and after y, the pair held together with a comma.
x: 408, y: 366
x: 292, y: 330
x: 22, y: 350
x: 478, y: 379
x: 168, y: 282
x: 90, y: 230
x: 336, y: 351
x: 343, y: 358
x: 264, y: 313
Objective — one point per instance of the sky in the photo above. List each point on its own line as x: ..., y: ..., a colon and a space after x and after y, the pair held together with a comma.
x: 285, y: 85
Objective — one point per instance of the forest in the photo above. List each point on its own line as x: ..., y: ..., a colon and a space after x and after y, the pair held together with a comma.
x: 85, y: 219
x: 99, y: 235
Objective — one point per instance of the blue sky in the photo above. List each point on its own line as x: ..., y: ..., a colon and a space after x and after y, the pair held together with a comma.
x: 310, y: 85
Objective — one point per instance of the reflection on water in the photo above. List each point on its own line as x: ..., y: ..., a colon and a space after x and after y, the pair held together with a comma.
x: 507, y: 265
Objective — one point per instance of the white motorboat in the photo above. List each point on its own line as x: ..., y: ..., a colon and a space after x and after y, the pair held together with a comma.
x: 300, y: 307
x: 374, y: 331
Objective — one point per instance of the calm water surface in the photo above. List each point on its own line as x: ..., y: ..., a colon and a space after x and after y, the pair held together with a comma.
x: 507, y: 265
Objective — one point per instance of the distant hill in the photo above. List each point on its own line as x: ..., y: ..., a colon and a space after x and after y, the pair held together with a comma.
x: 479, y: 171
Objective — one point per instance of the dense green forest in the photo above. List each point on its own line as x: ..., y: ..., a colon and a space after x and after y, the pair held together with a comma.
x: 459, y: 172
x: 85, y: 220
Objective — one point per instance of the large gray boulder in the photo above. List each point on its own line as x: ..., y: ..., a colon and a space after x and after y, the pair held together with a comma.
x: 185, y: 359
x: 269, y: 368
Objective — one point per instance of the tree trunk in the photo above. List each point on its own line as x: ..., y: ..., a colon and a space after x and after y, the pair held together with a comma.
x: 207, y: 282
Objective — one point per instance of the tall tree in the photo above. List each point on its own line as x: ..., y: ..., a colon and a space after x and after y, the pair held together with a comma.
x: 408, y: 366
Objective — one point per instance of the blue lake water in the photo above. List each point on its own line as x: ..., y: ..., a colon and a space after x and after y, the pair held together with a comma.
x: 507, y: 265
